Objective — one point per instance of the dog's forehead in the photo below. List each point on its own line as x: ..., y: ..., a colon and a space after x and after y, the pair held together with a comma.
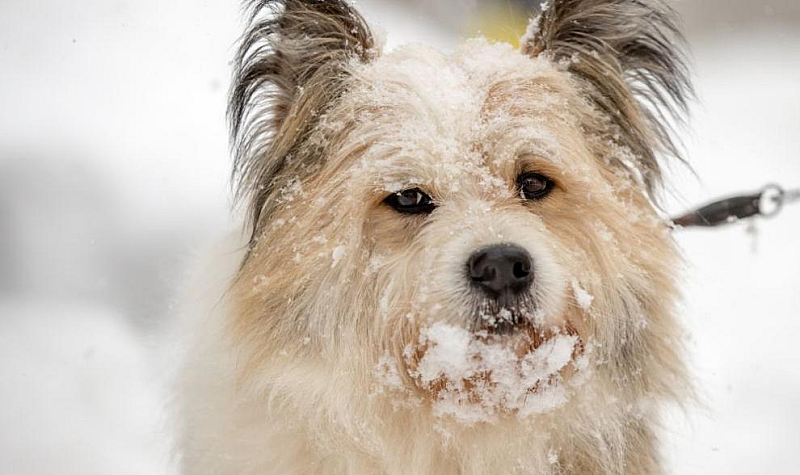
x: 449, y: 90
x: 438, y: 112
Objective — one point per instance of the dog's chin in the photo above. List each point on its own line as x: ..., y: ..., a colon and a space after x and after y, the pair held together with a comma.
x: 496, y: 368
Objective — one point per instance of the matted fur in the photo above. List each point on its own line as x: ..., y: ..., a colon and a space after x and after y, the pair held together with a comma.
x: 317, y: 355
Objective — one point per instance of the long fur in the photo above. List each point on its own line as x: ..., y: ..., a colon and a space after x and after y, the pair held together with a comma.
x: 344, y: 341
x: 289, y: 68
x: 627, y: 52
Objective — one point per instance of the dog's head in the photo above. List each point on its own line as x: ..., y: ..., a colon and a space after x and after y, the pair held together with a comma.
x: 475, y: 229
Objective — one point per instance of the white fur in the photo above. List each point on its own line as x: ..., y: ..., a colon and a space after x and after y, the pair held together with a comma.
x: 346, y: 342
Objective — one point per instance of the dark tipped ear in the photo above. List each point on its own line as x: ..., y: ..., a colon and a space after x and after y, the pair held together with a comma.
x: 627, y: 55
x: 291, y: 65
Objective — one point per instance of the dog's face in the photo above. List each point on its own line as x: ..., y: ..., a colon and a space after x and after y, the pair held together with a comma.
x: 472, y: 229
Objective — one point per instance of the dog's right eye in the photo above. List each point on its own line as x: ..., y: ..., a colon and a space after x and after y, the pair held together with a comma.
x: 413, y: 201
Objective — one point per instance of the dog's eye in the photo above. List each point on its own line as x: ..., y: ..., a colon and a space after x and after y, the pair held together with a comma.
x: 412, y: 201
x: 533, y: 186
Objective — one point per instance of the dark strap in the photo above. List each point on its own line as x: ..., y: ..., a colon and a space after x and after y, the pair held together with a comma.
x: 766, y: 202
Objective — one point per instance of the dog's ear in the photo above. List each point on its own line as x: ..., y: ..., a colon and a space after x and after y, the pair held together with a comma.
x: 626, y: 54
x: 291, y: 65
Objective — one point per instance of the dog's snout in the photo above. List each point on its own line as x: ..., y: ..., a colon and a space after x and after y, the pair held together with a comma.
x: 501, y: 268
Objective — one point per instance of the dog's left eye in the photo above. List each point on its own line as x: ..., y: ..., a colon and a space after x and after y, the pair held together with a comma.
x: 412, y: 201
x: 534, y: 186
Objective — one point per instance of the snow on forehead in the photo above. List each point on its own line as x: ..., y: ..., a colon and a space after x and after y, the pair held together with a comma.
x: 434, y: 86
x: 495, y: 61
x: 436, y: 100
x: 453, y: 81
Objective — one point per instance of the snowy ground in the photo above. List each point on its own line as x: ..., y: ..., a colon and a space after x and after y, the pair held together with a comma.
x: 113, y: 162
x: 743, y: 291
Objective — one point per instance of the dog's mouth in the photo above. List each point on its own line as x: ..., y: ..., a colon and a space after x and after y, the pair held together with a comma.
x: 509, y: 316
x: 508, y: 362
x: 520, y: 328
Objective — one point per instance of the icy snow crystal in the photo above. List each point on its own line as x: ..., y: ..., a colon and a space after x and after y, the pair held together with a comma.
x: 583, y: 297
x: 476, y: 379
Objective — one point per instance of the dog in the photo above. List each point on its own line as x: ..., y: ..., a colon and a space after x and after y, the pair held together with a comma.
x: 453, y: 263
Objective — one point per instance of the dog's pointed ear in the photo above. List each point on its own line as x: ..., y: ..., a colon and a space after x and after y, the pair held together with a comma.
x: 627, y: 56
x: 291, y: 65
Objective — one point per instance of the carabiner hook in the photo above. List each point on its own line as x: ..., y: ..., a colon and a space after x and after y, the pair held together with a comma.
x: 771, y: 200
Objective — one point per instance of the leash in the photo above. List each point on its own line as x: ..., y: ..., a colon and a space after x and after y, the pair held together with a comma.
x: 766, y: 202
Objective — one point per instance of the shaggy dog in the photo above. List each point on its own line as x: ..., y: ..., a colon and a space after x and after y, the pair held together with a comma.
x: 454, y: 263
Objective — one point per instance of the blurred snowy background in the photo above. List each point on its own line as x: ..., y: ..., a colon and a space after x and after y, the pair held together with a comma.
x: 114, y: 167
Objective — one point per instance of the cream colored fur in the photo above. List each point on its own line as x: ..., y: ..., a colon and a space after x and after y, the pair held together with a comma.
x: 305, y: 359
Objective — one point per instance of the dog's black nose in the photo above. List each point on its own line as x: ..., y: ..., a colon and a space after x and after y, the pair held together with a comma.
x: 501, y: 268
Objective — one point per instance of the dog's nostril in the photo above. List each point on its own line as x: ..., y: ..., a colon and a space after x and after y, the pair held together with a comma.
x: 521, y: 270
x: 501, y: 268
